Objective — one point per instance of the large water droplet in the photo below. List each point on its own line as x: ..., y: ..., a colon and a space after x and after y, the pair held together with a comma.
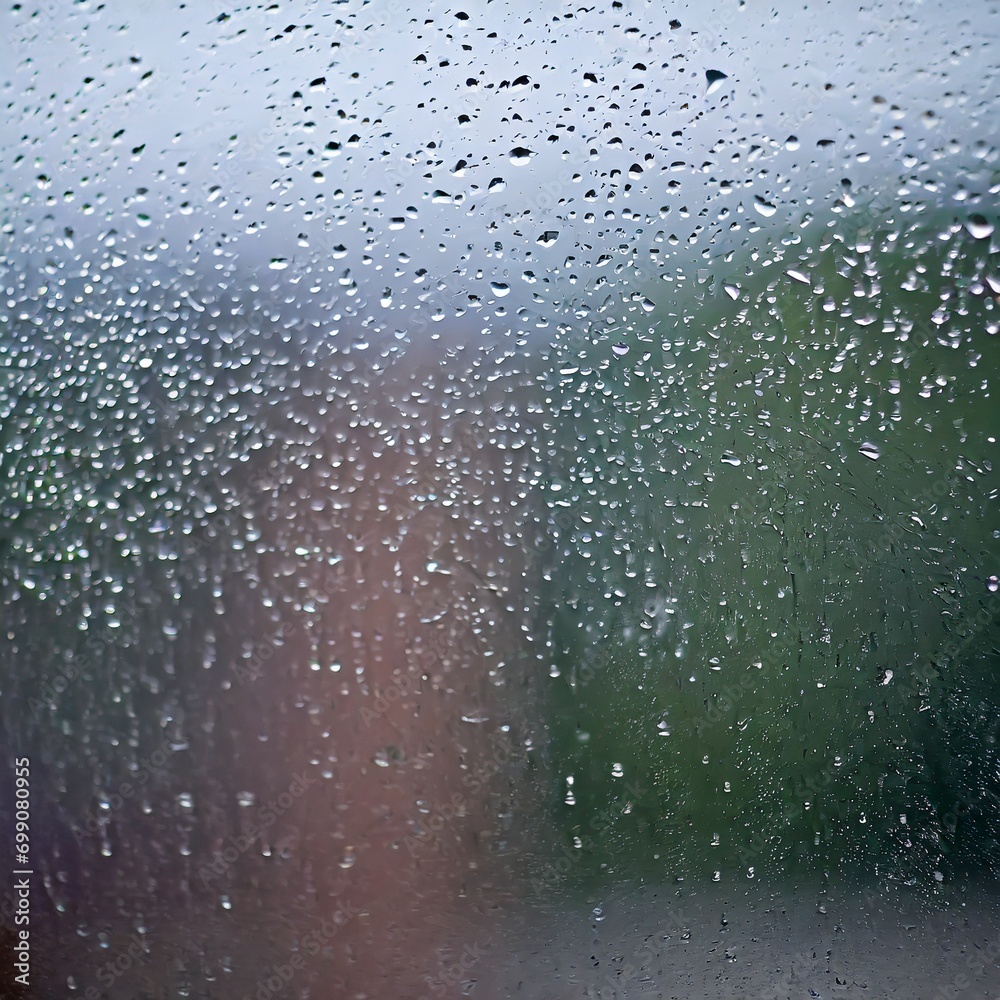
x: 764, y: 207
x: 714, y: 78
x: 979, y: 227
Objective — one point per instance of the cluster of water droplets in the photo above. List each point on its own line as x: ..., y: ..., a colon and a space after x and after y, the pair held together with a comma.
x: 703, y: 346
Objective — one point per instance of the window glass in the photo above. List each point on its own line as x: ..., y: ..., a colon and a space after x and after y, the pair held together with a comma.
x: 499, y: 500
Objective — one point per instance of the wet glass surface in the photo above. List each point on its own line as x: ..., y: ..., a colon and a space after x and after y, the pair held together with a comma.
x: 499, y: 501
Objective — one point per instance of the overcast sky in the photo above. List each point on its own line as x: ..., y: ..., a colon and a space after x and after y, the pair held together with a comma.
x: 312, y: 140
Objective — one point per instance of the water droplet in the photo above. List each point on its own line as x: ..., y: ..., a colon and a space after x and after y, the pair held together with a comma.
x: 979, y: 227
x: 714, y: 78
x: 764, y: 207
